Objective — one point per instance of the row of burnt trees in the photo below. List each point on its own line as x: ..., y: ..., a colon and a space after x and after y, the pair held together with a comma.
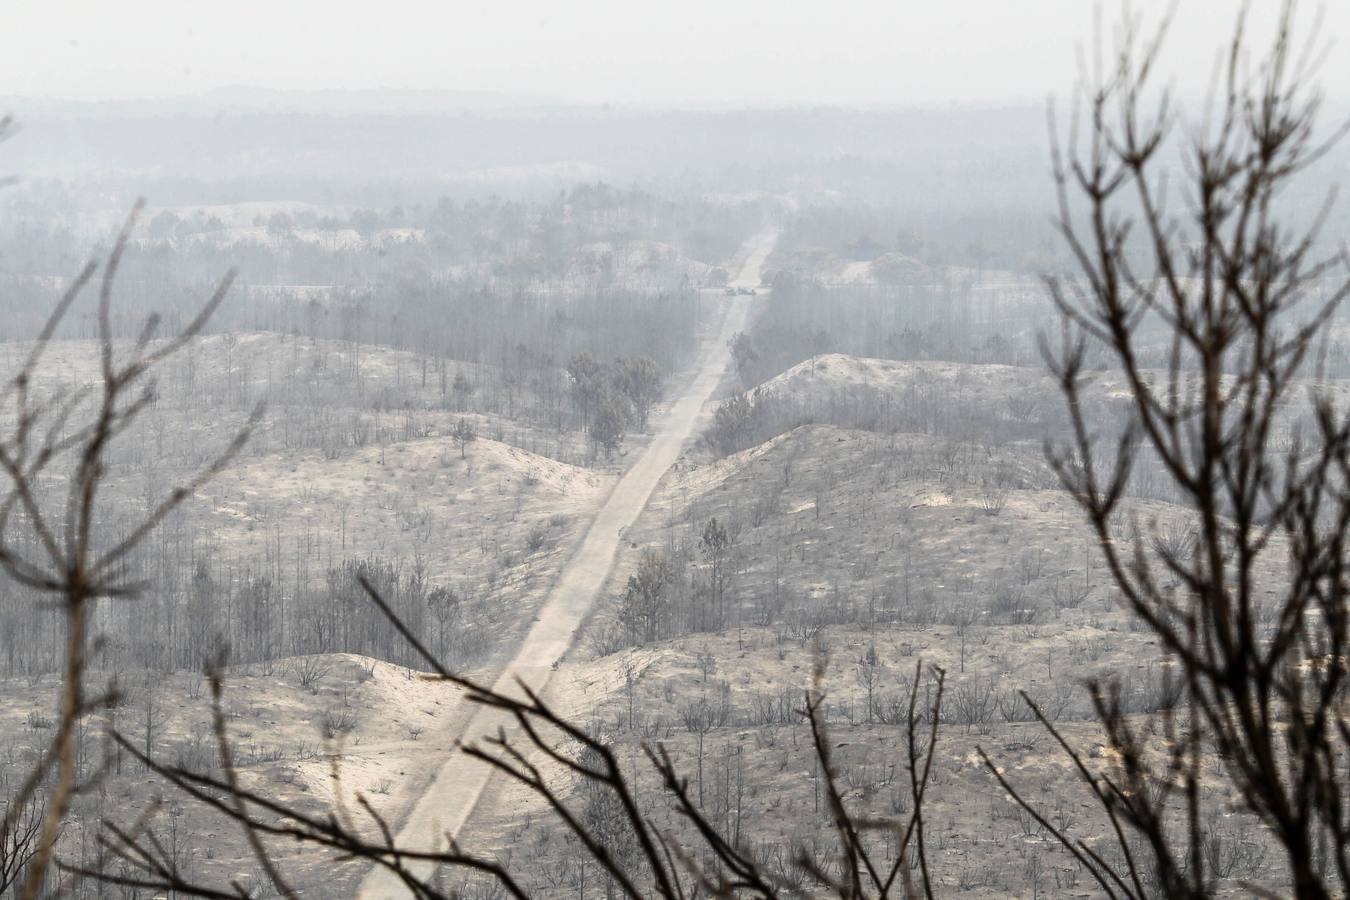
x: 1267, y: 717
x: 666, y: 597
x: 942, y: 318
x: 612, y: 397
x: 260, y: 620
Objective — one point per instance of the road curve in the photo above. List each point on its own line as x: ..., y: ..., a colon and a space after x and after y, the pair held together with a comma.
x: 450, y: 799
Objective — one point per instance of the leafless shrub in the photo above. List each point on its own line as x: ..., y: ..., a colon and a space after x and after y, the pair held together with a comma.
x: 38, y: 720
x: 973, y: 704
x: 1067, y: 595
x: 19, y: 841
x: 1088, y: 649
x: 337, y: 720
x: 310, y: 670
x: 1013, y: 708
x: 770, y: 708
x: 607, y: 638
x: 992, y: 499
x: 536, y: 539
x: 1176, y: 541
x: 1010, y: 606
x: 807, y: 624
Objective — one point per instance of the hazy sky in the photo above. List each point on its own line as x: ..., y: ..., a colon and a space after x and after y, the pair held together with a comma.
x: 624, y: 51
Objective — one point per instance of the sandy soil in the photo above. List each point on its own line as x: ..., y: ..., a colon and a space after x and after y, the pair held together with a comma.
x: 281, y: 716
x: 852, y: 526
x: 760, y: 777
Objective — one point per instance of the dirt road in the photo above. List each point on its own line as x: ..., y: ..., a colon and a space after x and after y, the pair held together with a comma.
x: 452, y: 795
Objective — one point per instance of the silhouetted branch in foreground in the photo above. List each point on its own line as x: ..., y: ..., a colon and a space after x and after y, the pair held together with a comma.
x: 1251, y: 615
x: 55, y: 547
x: 664, y: 867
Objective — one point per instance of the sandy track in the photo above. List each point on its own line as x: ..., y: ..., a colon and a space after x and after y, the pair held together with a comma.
x: 457, y: 787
